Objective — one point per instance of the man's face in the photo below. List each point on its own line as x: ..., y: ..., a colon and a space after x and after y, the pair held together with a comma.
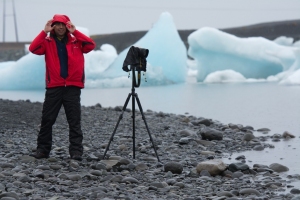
x: 60, y: 29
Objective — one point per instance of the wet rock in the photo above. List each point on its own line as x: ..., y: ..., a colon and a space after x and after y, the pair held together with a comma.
x: 287, y: 134
x: 263, y: 130
x: 248, y: 136
x: 238, y: 167
x: 241, y: 157
x: 258, y: 148
x: 278, y: 167
x: 295, y: 191
x: 205, y: 122
x: 237, y: 174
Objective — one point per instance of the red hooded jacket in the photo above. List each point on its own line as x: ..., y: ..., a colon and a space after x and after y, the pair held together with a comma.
x: 77, y: 44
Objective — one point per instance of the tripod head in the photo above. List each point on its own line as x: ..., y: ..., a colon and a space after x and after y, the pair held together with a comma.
x: 136, y: 58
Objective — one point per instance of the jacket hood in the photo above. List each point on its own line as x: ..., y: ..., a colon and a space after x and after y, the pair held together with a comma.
x: 60, y: 18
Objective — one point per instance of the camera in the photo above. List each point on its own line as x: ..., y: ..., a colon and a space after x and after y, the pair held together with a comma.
x: 136, y: 58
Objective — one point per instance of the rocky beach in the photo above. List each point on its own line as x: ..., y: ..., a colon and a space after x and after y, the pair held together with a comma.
x: 191, y: 151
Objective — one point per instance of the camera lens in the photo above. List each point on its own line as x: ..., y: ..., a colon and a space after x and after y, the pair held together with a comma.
x: 143, y: 52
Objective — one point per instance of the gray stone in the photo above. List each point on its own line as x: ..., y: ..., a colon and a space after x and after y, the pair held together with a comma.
x: 129, y: 180
x: 27, y: 159
x: 55, y: 167
x: 9, y: 194
x: 159, y: 184
x: 117, y: 178
x: 204, y: 173
x: 6, y: 165
x: 43, y: 167
x: 278, y: 167
x: 141, y: 167
x: 74, y: 177
x: 214, y: 167
x: 238, y: 166
x: 248, y: 137
x: 180, y: 184
x: 184, y: 140
x: 211, y: 134
x: 174, y: 167
x: 225, y: 193
x: 96, y: 172
x: 287, y: 134
x: 258, y: 148
x: 237, y: 174
x: 186, y: 133
x: 295, y: 191
x: 249, y: 191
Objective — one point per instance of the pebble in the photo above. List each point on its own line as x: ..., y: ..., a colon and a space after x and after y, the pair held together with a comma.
x: 183, y: 143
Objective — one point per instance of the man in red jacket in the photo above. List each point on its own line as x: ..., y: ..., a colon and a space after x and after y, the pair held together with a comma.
x: 63, y: 49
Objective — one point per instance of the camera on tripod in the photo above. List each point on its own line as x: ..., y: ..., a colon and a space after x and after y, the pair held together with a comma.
x: 136, y: 58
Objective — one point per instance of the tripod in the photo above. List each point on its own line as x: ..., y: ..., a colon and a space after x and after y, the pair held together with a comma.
x: 134, y: 97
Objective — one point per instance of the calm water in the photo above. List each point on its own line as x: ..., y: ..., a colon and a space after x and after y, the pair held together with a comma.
x: 261, y: 105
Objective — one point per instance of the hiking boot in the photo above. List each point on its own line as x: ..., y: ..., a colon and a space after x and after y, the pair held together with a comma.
x: 76, y: 157
x: 39, y: 155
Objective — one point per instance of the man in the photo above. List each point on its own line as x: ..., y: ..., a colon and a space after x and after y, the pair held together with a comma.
x: 63, y: 50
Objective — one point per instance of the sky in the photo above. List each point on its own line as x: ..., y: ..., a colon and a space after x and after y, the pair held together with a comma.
x: 115, y: 16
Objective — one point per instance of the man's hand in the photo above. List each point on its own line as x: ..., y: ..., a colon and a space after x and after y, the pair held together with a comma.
x: 48, y: 27
x: 71, y: 27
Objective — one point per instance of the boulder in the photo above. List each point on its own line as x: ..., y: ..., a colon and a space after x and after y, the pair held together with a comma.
x: 276, y: 167
x: 174, y: 167
x: 238, y: 167
x: 211, y: 134
x: 214, y: 167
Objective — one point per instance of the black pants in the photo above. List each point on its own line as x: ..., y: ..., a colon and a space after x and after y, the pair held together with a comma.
x: 69, y: 97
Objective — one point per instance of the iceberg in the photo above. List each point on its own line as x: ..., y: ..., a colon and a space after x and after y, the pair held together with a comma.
x: 28, y: 73
x: 224, y: 76
x: 218, y: 57
x: 167, y: 59
x: 166, y: 63
x: 253, y: 57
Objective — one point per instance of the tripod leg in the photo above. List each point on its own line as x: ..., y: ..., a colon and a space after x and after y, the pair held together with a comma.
x: 133, y: 123
x: 143, y: 117
x: 115, y: 129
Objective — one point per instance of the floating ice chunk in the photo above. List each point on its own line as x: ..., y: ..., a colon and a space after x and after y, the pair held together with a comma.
x: 254, y: 57
x: 224, y: 76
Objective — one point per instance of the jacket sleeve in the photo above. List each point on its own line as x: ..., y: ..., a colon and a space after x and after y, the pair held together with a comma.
x: 87, y: 43
x: 37, y: 46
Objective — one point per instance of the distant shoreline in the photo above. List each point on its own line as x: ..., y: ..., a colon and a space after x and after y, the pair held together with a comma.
x: 12, y: 51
